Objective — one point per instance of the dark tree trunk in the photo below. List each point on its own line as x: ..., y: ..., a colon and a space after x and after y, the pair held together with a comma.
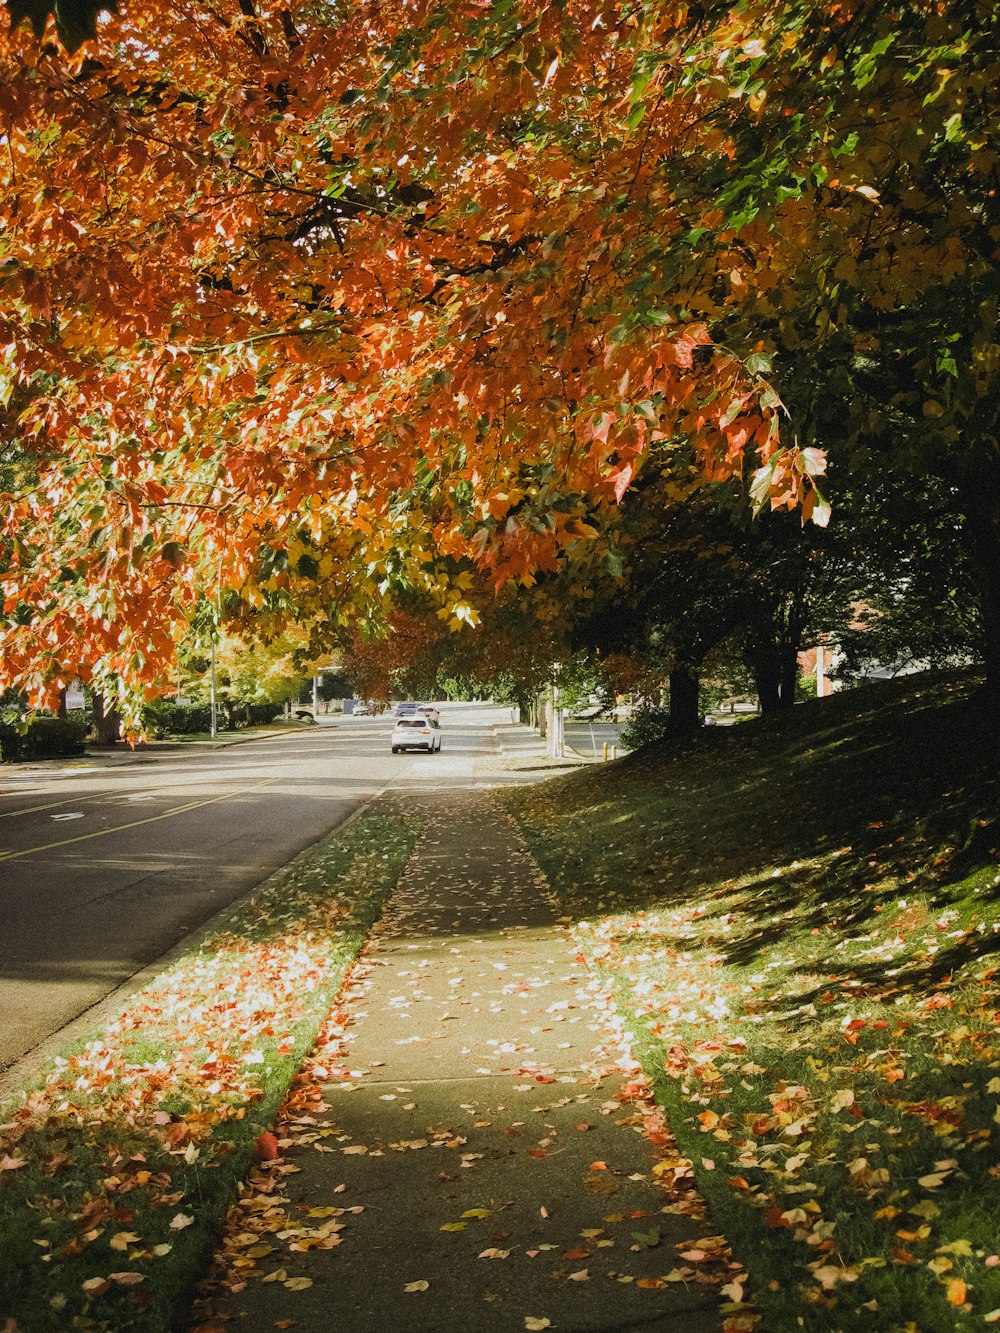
x: 771, y: 650
x: 684, y: 714
x: 106, y: 722
x: 789, y: 676
x: 61, y: 711
x: 980, y: 498
x: 766, y: 667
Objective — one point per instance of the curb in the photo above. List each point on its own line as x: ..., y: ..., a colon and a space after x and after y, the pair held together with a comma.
x: 24, y: 1069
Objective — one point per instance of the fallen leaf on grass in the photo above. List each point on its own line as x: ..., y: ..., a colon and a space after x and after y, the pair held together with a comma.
x: 121, y: 1240
x: 536, y: 1325
x: 180, y: 1221
x: 127, y: 1279
x: 267, y: 1146
x: 8, y: 1163
x: 297, y: 1283
x: 417, y: 1286
x: 956, y: 1291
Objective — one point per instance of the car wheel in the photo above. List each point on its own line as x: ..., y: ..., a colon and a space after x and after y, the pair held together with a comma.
x: 395, y: 749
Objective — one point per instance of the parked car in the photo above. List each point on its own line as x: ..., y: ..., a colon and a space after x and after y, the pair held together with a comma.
x: 428, y: 710
x: 403, y: 709
x: 415, y: 733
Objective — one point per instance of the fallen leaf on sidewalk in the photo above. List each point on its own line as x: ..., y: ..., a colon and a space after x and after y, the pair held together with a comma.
x: 267, y: 1147
x: 417, y: 1286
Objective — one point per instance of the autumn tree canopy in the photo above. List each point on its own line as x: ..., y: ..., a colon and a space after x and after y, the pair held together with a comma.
x: 300, y: 305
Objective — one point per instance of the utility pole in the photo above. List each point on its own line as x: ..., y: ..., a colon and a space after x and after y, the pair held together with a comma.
x: 554, y: 731
x: 215, y: 717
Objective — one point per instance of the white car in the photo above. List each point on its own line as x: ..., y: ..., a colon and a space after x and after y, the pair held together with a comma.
x: 415, y: 733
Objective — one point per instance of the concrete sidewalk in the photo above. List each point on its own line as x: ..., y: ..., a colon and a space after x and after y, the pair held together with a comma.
x: 470, y: 1148
x: 521, y: 747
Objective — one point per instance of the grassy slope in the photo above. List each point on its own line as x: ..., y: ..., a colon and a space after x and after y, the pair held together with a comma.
x: 802, y: 917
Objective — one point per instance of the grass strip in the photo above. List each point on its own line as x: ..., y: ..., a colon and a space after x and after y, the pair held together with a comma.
x: 118, y: 1164
x: 801, y: 922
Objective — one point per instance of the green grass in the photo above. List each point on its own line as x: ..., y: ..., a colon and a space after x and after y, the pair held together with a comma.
x: 118, y: 1164
x: 800, y: 917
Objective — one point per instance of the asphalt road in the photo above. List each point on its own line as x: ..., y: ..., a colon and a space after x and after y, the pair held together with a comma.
x: 106, y: 863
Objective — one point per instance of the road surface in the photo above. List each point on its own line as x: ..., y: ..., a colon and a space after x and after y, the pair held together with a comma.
x: 106, y: 863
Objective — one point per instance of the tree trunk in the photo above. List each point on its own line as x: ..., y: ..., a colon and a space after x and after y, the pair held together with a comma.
x: 789, y: 679
x: 771, y: 651
x: 105, y: 721
x: 684, y: 715
x: 766, y: 667
x: 980, y: 498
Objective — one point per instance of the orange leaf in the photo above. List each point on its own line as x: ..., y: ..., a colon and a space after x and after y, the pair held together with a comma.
x: 267, y: 1147
x: 957, y: 1291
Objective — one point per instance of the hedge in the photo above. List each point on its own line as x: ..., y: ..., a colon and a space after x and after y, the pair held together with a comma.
x: 42, y: 738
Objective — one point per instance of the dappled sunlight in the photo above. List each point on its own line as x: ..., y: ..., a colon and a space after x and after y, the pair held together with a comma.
x: 804, y: 930
x: 151, y: 1116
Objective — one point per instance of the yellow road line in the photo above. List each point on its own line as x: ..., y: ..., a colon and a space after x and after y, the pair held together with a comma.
x: 35, y: 809
x: 111, y: 794
x: 136, y: 823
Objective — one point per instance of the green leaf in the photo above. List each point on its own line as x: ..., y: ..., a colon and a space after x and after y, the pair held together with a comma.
x: 647, y: 1240
x: 759, y: 363
x: 173, y: 553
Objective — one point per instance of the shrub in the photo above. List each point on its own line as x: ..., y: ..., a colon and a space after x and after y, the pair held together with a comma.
x: 42, y: 737
x: 258, y: 715
x: 647, y: 725
x: 163, y: 717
